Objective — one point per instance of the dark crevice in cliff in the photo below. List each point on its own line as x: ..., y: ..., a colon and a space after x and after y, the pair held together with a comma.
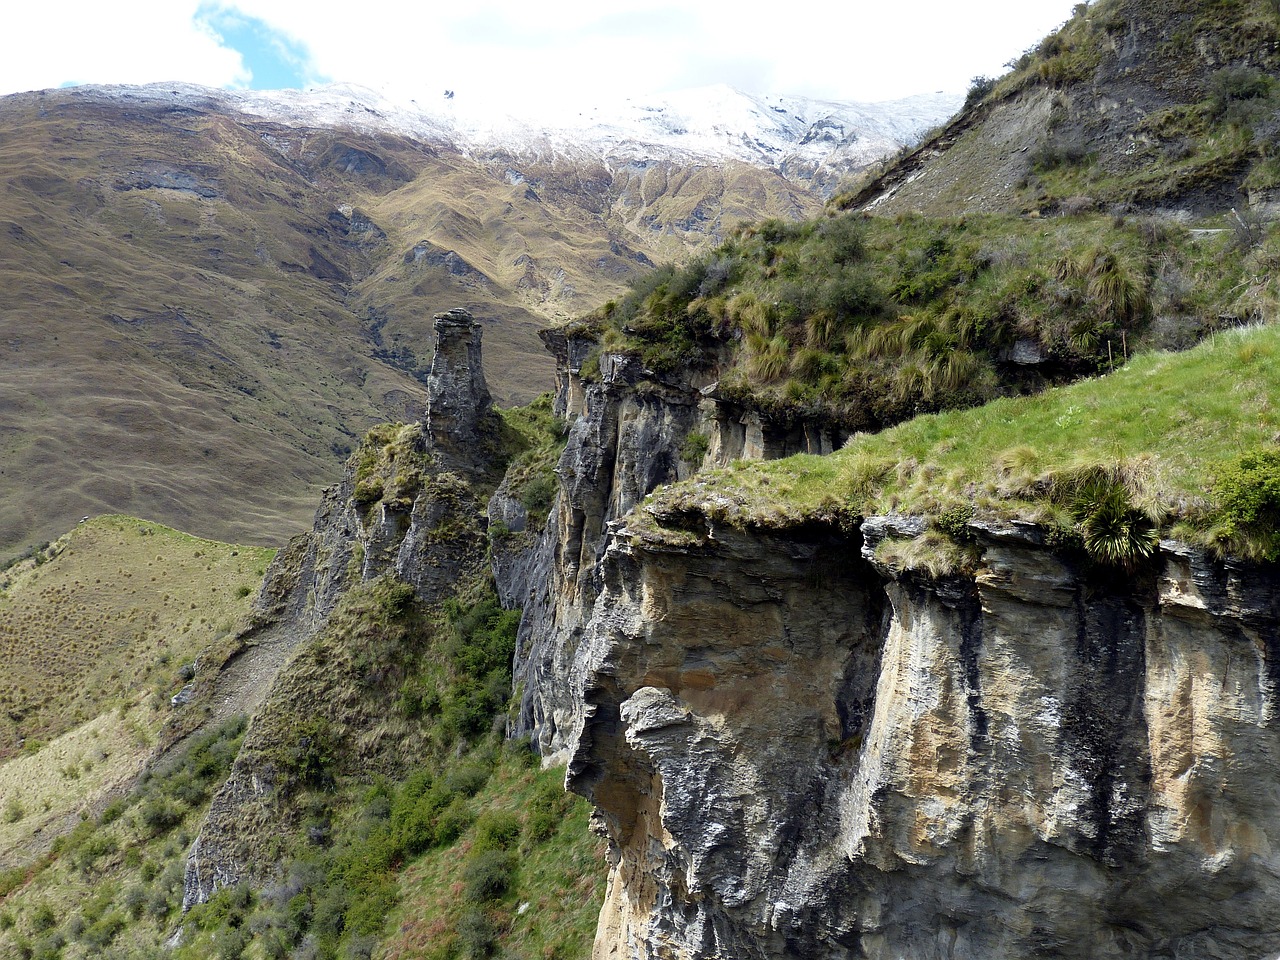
x: 1106, y: 695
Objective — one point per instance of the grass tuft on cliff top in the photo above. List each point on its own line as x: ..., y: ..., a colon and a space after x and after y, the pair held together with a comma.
x: 865, y: 322
x: 1179, y: 435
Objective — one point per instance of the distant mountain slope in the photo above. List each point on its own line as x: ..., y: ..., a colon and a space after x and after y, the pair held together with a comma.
x: 200, y: 306
x: 805, y: 139
x: 1154, y: 104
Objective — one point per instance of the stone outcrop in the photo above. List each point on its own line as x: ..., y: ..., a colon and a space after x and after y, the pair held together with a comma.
x: 795, y: 751
x: 457, y: 396
x: 631, y: 433
x: 428, y: 533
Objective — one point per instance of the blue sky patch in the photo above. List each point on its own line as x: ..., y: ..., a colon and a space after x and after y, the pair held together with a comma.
x: 274, y: 60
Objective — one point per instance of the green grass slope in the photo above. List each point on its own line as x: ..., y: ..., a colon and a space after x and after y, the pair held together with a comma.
x: 109, y: 613
x: 866, y: 321
x: 1181, y: 444
x: 98, y: 631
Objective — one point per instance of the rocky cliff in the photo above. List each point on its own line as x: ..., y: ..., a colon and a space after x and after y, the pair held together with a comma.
x: 797, y: 748
x: 1159, y: 105
x: 797, y: 751
x: 407, y: 511
x: 633, y: 430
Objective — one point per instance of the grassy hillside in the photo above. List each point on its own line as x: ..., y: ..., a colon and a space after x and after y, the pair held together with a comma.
x: 1181, y: 444
x: 393, y: 813
x: 867, y: 321
x: 512, y: 871
x: 97, y: 632
x: 107, y: 614
x: 217, y: 306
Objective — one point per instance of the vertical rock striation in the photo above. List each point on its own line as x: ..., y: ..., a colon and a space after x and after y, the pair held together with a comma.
x: 794, y: 751
x: 630, y: 435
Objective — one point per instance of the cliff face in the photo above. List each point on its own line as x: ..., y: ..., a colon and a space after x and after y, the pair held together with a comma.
x: 632, y: 432
x: 795, y: 749
x: 796, y: 752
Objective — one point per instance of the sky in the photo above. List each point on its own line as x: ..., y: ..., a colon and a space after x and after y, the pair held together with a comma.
x: 526, y: 57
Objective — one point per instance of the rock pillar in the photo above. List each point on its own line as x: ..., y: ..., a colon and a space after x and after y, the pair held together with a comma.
x: 457, y: 395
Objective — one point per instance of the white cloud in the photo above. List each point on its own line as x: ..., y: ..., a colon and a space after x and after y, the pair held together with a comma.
x: 555, y: 52
x: 83, y: 41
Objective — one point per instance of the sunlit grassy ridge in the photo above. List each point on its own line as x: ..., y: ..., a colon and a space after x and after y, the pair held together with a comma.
x: 1165, y: 426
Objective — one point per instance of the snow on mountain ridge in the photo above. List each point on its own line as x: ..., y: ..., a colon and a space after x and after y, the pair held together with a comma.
x: 716, y: 122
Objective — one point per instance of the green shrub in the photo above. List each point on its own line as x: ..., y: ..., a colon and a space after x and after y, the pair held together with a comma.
x: 538, y: 494
x: 309, y: 756
x: 546, y: 811
x: 43, y: 917
x: 14, y: 810
x: 477, y: 934
x: 489, y: 876
x: 496, y: 830
x: 695, y: 447
x: 979, y: 88
x: 159, y: 815
x: 368, y: 490
x: 1232, y: 86
x: 1247, y: 515
x: 135, y: 900
x: 453, y: 822
x: 955, y: 523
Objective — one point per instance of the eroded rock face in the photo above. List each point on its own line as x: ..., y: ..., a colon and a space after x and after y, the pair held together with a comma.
x: 793, y: 752
x: 626, y: 443
x: 458, y: 399
x: 630, y: 434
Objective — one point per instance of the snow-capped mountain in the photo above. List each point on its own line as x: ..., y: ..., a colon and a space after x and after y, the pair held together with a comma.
x: 707, y: 123
x: 234, y: 246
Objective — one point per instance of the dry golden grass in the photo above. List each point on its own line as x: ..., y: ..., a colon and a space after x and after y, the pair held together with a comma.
x: 111, y: 619
x: 44, y: 794
x: 205, y: 350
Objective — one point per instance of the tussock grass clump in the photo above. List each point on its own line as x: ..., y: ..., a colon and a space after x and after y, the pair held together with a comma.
x: 868, y: 321
x: 1180, y: 443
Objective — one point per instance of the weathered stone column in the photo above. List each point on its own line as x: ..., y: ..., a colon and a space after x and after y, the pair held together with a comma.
x: 457, y: 395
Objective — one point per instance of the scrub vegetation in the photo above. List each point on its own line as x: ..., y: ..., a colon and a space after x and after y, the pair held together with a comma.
x: 1180, y: 444
x: 863, y: 322
x: 399, y: 817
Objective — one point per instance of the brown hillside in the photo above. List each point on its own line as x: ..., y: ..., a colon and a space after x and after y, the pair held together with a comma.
x: 200, y: 309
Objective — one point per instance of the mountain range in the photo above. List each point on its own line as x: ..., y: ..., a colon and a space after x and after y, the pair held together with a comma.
x: 216, y: 292
x: 894, y: 582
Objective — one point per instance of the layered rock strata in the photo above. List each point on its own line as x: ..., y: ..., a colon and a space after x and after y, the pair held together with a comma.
x: 795, y: 751
x: 631, y: 434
